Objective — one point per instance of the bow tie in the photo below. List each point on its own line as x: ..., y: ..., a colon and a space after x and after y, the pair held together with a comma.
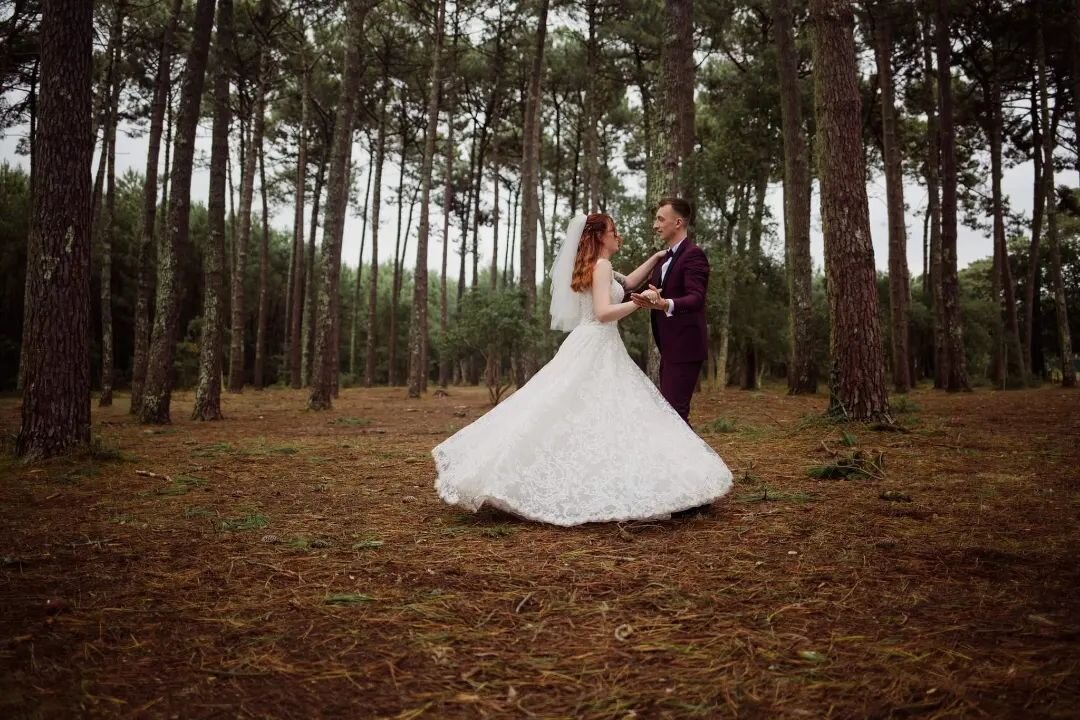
x: 669, y: 254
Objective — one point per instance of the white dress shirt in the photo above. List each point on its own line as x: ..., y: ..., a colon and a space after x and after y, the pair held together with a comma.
x: 663, y: 273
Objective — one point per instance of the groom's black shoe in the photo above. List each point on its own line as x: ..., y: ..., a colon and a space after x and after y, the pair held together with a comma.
x: 694, y: 512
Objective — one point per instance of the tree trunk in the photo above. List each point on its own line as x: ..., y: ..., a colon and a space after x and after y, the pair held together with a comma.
x: 899, y: 281
x: 954, y: 339
x: 354, y: 335
x: 857, y: 378
x: 395, y: 281
x: 802, y: 374
x: 311, y: 289
x: 108, y: 227
x: 675, y: 147
x: 376, y: 205
x: 149, y: 215
x: 56, y: 393
x: 588, y: 109
x: 337, y: 200
x: 299, y: 274
x: 933, y: 160
x: 157, y: 394
x: 419, y: 326
x: 243, y: 237
x: 1068, y: 371
x: 1013, y: 364
x: 530, y: 179
x: 448, y: 201
x: 264, y: 268
x: 208, y: 391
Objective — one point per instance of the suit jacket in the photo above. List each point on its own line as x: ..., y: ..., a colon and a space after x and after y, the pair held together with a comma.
x: 683, y: 337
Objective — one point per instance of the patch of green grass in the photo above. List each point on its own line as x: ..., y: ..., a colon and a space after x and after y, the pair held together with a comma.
x: 903, y: 405
x: 847, y: 439
x: 856, y: 465
x: 213, y: 450
x: 498, y: 531
x: 300, y: 542
x: 122, y: 519
x: 180, y: 485
x: 767, y: 495
x: 721, y: 425
x: 317, y: 460
x: 370, y: 544
x: 353, y: 421
x: 252, y: 521
x: 352, y: 598
x: 103, y: 450
x: 196, y: 511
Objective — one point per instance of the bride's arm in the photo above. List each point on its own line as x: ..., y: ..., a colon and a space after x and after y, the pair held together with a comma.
x: 603, y: 308
x: 638, y: 277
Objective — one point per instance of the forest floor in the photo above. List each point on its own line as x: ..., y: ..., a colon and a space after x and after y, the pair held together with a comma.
x: 297, y: 564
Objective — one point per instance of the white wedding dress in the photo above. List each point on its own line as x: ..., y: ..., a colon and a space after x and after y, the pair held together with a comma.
x: 588, y: 439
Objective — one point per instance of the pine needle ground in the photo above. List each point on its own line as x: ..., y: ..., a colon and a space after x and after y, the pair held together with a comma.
x: 292, y: 564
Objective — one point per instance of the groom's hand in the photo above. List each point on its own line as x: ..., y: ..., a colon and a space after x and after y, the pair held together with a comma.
x: 646, y: 302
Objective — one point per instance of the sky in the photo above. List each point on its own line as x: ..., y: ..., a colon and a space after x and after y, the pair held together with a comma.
x: 971, y: 244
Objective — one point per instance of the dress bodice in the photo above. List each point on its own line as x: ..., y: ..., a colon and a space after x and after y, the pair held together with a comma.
x: 588, y: 313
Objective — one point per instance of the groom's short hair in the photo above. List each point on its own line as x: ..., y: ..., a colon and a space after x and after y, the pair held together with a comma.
x: 682, y: 208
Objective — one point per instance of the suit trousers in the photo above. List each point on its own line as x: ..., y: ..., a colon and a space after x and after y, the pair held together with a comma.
x: 677, y: 383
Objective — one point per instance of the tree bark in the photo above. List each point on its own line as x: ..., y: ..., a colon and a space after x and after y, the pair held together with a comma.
x: 899, y: 280
x: 337, y: 200
x: 376, y: 206
x: 448, y: 200
x: 311, y: 289
x: 933, y: 162
x: 56, y: 393
x: 1068, y: 371
x: 157, y: 393
x: 957, y: 378
x: 106, y: 228
x: 1013, y: 365
x: 675, y: 147
x: 857, y: 378
x: 354, y: 335
x: 802, y: 373
x: 299, y: 274
x: 243, y: 237
x: 419, y: 326
x: 264, y: 275
x: 211, y: 356
x: 530, y: 179
x: 149, y: 215
x: 588, y: 109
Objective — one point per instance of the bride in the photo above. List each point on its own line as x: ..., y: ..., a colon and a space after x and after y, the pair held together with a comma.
x: 589, y: 438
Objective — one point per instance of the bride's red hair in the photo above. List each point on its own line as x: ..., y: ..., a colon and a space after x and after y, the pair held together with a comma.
x: 589, y: 250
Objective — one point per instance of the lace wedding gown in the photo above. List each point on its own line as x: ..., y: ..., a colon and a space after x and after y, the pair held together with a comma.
x: 588, y: 439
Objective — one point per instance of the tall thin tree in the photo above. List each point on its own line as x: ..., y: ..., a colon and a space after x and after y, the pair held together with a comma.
x: 149, y: 210
x: 1053, y: 241
x: 802, y: 375
x: 208, y: 389
x: 899, y: 282
x: 157, y: 394
x: 418, y: 328
x: 530, y: 177
x: 956, y: 379
x: 857, y: 377
x: 56, y: 393
x: 337, y: 200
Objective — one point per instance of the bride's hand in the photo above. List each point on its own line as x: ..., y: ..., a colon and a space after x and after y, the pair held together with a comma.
x: 659, y: 255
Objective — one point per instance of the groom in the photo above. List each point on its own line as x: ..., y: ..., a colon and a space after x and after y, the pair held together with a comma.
x: 680, y: 283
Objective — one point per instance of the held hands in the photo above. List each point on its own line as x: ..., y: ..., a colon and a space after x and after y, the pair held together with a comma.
x: 650, y: 299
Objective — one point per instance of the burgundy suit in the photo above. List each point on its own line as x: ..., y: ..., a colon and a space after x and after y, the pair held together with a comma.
x: 682, y: 338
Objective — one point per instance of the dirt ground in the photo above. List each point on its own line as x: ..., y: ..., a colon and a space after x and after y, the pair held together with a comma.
x: 292, y: 564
